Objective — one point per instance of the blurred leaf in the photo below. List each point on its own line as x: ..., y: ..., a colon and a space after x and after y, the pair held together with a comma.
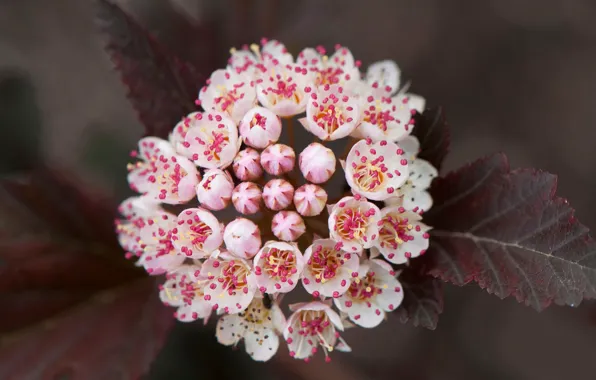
x: 432, y: 131
x: 116, y: 335
x: 161, y: 87
x: 423, y: 297
x: 510, y: 233
x: 58, y: 250
x: 20, y: 124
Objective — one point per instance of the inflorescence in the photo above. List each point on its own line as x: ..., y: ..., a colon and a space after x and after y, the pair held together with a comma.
x: 229, y: 153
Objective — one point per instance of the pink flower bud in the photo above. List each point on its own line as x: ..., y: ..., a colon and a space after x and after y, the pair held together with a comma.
x: 278, y: 159
x: 310, y: 200
x: 260, y: 127
x: 317, y: 163
x: 215, y: 190
x: 278, y: 194
x: 247, y: 165
x: 242, y: 238
x: 287, y: 225
x: 246, y: 198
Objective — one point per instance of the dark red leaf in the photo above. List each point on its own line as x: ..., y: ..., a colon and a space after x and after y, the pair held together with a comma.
x: 423, y: 297
x: 58, y: 251
x: 115, y: 335
x: 161, y: 87
x: 432, y: 131
x: 507, y: 231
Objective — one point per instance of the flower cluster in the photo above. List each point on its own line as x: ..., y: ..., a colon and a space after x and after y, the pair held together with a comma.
x: 235, y: 269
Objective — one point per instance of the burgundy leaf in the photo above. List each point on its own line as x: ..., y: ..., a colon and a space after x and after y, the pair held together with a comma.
x: 432, y: 131
x: 58, y: 251
x: 507, y: 231
x: 116, y: 335
x: 423, y: 296
x: 161, y: 87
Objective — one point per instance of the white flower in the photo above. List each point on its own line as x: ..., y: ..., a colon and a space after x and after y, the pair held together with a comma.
x: 310, y: 200
x: 230, y: 283
x: 283, y: 89
x: 353, y: 223
x: 383, y: 118
x: 242, y: 238
x: 247, y: 198
x: 373, y: 293
x: 331, y: 113
x: 384, y: 79
x: 254, y: 60
x: 259, y: 326
x: 136, y: 210
x: 162, y: 174
x: 402, y: 235
x: 212, y: 140
x: 230, y: 93
x: 384, y: 75
x: 287, y: 225
x: 260, y: 127
x: 278, y: 159
x: 317, y: 163
x: 339, y: 69
x: 159, y: 253
x: 312, y: 325
x: 413, y: 194
x: 247, y: 165
x: 178, y: 134
x: 197, y: 234
x: 328, y: 271
x: 215, y: 190
x: 184, y: 289
x: 278, y: 266
x: 376, y: 170
x: 278, y: 194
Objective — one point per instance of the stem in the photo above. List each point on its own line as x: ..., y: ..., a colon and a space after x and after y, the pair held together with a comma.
x: 290, y: 129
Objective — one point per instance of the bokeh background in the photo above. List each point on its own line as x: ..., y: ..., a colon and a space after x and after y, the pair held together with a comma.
x: 513, y: 75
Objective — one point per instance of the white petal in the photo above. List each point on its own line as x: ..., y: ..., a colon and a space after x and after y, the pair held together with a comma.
x: 261, y: 344
x: 410, y: 146
x: 421, y: 174
x: 230, y: 329
x: 417, y: 201
x: 385, y: 73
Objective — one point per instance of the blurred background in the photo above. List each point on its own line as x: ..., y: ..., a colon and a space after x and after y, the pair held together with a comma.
x: 513, y: 75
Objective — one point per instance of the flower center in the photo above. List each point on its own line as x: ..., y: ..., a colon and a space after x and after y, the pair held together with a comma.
x: 189, y: 290
x: 363, y: 289
x: 329, y: 75
x: 162, y: 241
x: 330, y: 117
x: 228, y: 97
x: 234, y: 277
x: 375, y: 115
x: 311, y: 326
x: 169, y: 179
x: 214, y: 144
x: 393, y: 231
x: 280, y: 264
x: 352, y: 223
x: 284, y: 89
x: 370, y: 176
x: 324, y: 263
